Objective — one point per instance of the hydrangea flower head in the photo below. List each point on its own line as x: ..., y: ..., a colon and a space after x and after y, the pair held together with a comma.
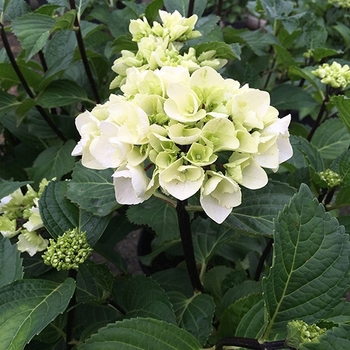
x: 184, y: 131
x: 335, y: 75
x: 19, y: 215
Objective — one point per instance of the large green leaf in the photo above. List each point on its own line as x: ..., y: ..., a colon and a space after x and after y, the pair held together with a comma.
x: 7, y: 187
x: 194, y: 314
x: 28, y: 306
x: 331, y: 139
x: 141, y: 333
x: 7, y: 102
x: 258, y: 209
x: 208, y: 238
x: 60, y: 215
x: 54, y: 162
x: 310, y: 271
x: 157, y: 214
x: 33, y: 31
x: 343, y: 105
x: 143, y: 297
x: 92, y: 190
x: 182, y: 6
x: 11, y: 268
x: 61, y: 93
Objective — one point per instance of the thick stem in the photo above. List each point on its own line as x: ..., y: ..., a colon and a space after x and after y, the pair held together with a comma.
x: 82, y: 51
x: 190, y: 8
x: 262, y: 259
x: 25, y: 85
x: 187, y: 244
x: 71, y: 314
x: 249, y: 343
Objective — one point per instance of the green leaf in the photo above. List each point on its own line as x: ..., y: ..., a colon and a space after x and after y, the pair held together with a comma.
x: 92, y: 190
x: 259, y: 208
x: 60, y: 215
x: 335, y: 338
x: 208, y: 238
x: 343, y: 105
x: 223, y: 50
x: 194, y: 314
x: 141, y: 333
x: 61, y: 93
x: 143, y: 297
x: 11, y: 268
x: 331, y: 139
x: 7, y: 187
x: 28, y: 306
x: 310, y: 265
x: 152, y: 9
x: 177, y: 5
x: 158, y: 215
x: 7, y: 102
x: 66, y: 21
x: 33, y: 31
x: 54, y: 162
x: 233, y: 315
x: 14, y: 8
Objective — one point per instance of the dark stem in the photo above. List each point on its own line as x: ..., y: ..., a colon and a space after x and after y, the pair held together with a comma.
x: 116, y: 306
x: 262, y: 259
x: 320, y: 115
x: 187, y: 244
x: 82, y: 51
x: 25, y: 85
x: 250, y: 343
x: 71, y: 314
x: 190, y: 8
x: 219, y: 8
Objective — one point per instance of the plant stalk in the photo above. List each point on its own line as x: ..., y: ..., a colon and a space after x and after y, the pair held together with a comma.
x: 187, y: 244
x: 190, y: 8
x: 82, y: 51
x: 250, y: 343
x: 25, y: 85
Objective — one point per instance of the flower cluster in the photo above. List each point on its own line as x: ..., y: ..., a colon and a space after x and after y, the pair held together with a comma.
x: 184, y: 132
x: 299, y: 332
x: 19, y: 215
x: 335, y: 75
x: 159, y: 45
x: 340, y: 3
x: 331, y: 178
x: 69, y: 251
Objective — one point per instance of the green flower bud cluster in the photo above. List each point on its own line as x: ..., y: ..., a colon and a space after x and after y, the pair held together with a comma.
x: 331, y: 178
x: 19, y: 216
x: 299, y: 332
x: 340, y: 3
x: 69, y: 251
x: 335, y: 75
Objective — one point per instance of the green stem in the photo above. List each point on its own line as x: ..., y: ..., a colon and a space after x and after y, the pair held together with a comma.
x: 82, y: 51
x: 187, y: 244
x: 25, y: 85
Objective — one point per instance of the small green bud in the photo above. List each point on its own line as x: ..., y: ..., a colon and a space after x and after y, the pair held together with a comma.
x: 69, y: 251
x: 335, y: 75
x: 299, y: 332
x: 331, y: 178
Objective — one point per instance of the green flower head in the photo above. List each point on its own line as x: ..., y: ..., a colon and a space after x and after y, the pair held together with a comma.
x: 335, y: 75
x: 299, y: 332
x: 331, y: 178
x: 69, y: 251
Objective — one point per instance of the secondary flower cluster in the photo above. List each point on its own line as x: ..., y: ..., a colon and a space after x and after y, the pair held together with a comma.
x: 69, y: 251
x: 335, y: 75
x: 340, y: 3
x: 19, y: 215
x: 184, y: 132
x: 159, y: 45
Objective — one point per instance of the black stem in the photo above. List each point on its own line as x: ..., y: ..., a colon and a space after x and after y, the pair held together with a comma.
x: 117, y: 306
x: 190, y: 8
x: 71, y: 314
x: 250, y: 343
x: 82, y: 51
x: 25, y: 85
x: 219, y: 8
x: 320, y: 115
x: 262, y: 259
x: 187, y: 244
